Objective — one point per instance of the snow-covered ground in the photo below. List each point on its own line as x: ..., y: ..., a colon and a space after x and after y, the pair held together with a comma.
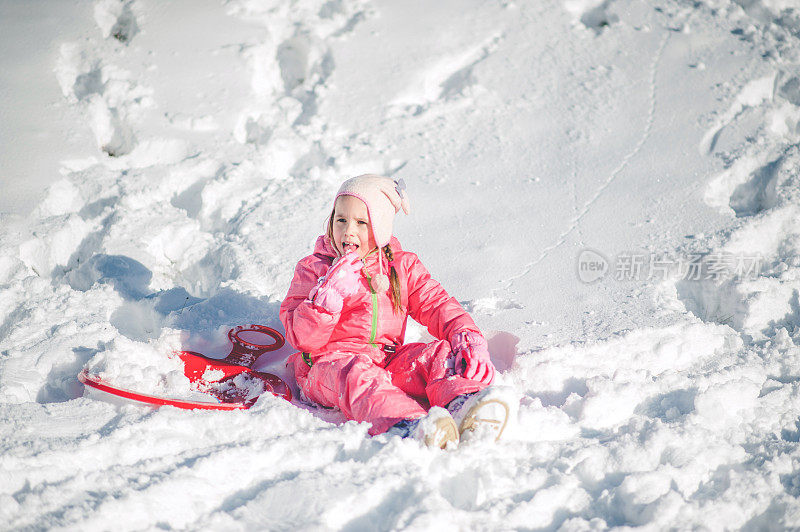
x: 611, y: 188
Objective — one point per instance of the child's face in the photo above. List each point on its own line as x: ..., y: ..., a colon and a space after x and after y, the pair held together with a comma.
x: 352, y: 229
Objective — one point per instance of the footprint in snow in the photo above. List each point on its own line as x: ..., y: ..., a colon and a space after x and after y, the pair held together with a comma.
x: 116, y: 19
x: 592, y: 14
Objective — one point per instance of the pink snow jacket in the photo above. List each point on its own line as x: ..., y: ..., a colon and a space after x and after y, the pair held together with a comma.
x: 367, y: 321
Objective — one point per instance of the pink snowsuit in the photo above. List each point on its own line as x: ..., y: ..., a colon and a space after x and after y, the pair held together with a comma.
x: 352, y: 368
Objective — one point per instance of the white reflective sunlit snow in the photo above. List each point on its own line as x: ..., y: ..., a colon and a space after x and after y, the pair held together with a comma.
x: 186, y: 155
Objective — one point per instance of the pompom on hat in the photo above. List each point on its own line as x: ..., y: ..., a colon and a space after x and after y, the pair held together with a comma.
x: 384, y: 197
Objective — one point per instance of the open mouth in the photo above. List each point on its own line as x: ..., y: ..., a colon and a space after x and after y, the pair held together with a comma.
x: 349, y: 246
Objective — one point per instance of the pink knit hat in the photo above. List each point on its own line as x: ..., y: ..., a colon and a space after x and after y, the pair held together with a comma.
x: 384, y: 197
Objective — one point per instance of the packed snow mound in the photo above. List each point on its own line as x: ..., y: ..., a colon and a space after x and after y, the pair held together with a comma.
x: 609, y: 187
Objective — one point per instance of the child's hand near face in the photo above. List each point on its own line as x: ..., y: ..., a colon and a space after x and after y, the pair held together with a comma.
x: 341, y: 281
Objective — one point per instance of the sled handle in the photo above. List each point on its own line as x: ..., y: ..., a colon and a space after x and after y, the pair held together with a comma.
x: 241, y: 343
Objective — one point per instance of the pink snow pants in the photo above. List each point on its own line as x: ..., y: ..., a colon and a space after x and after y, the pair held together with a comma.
x: 383, y: 393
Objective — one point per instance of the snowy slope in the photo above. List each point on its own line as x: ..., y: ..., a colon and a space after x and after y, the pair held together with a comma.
x: 654, y: 141
x: 38, y: 129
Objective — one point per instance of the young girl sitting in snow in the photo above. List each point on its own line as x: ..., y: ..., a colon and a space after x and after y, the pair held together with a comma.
x: 348, y: 318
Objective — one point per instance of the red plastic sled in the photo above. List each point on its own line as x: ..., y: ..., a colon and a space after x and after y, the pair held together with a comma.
x: 230, y: 381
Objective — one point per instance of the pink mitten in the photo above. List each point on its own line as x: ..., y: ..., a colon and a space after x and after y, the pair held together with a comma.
x: 342, y: 280
x: 472, y: 356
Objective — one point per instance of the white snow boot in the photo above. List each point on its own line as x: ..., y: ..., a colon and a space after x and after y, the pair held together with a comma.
x: 437, y: 429
x: 484, y: 414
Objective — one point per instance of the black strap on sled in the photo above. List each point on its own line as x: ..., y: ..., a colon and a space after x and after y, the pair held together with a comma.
x: 389, y: 349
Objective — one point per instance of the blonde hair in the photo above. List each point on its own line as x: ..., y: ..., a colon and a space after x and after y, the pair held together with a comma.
x: 394, y: 281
